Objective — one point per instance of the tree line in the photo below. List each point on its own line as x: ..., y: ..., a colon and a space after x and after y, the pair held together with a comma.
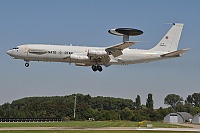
x: 99, y: 108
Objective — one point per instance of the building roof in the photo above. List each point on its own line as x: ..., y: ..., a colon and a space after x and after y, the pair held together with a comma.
x: 186, y: 116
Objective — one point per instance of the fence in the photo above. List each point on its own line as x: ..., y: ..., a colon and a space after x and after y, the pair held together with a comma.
x: 30, y: 119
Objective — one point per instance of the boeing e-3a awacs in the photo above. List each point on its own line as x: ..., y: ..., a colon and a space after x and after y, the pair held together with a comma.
x: 96, y: 57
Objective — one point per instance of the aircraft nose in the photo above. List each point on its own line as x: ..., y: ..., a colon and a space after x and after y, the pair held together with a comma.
x: 9, y: 52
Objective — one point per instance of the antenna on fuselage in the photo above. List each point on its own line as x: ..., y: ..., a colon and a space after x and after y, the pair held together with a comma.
x: 125, y: 32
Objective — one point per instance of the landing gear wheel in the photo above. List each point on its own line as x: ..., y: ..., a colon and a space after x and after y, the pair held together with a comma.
x: 94, y: 68
x: 99, y: 68
x: 26, y: 64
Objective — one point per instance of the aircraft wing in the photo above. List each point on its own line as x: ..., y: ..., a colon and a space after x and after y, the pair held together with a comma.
x: 116, y: 50
x: 177, y: 53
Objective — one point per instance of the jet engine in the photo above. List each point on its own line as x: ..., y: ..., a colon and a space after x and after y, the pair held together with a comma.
x: 92, y: 53
x: 78, y: 57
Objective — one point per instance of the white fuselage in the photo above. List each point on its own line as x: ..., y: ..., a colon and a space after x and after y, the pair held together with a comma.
x: 61, y: 53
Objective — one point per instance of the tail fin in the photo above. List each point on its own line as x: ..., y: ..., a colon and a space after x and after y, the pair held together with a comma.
x: 169, y: 42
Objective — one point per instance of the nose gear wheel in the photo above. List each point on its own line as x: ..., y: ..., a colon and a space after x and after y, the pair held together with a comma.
x: 26, y: 64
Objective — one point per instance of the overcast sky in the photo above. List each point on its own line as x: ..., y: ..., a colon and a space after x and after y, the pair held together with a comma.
x: 85, y: 23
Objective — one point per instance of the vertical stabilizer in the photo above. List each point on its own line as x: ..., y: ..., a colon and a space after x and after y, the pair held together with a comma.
x: 169, y: 42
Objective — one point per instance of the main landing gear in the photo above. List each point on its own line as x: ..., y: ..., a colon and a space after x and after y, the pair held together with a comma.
x: 26, y: 64
x: 96, y: 67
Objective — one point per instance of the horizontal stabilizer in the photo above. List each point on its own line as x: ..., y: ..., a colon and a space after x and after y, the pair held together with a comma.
x: 177, y: 53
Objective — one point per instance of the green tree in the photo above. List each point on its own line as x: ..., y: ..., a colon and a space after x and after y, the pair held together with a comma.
x: 149, y: 103
x: 179, y: 107
x: 196, y: 99
x: 193, y: 99
x: 172, y: 100
x: 187, y: 107
x: 189, y: 99
x: 138, y: 102
x: 162, y: 112
x: 126, y: 114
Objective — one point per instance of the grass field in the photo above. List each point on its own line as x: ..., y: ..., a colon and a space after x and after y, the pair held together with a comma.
x: 87, y: 124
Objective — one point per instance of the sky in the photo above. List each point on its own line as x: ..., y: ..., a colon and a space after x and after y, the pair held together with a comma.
x: 86, y: 23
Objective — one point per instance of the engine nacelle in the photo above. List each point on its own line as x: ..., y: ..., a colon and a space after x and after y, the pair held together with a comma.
x: 78, y: 57
x: 92, y: 53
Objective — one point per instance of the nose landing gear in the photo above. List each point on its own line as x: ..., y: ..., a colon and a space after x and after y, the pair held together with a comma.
x: 96, y: 67
x: 26, y: 64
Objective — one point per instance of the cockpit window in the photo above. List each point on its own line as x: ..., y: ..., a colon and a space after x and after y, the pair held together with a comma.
x: 16, y: 48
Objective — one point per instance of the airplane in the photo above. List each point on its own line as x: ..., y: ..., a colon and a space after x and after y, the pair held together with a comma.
x: 96, y: 57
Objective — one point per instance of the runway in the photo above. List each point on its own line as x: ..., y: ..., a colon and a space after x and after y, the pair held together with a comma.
x: 103, y: 128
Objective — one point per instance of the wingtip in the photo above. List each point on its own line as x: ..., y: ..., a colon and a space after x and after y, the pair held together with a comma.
x: 186, y: 49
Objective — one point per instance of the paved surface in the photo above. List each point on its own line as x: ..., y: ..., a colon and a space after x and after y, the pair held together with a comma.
x: 104, y: 128
x: 197, y: 126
